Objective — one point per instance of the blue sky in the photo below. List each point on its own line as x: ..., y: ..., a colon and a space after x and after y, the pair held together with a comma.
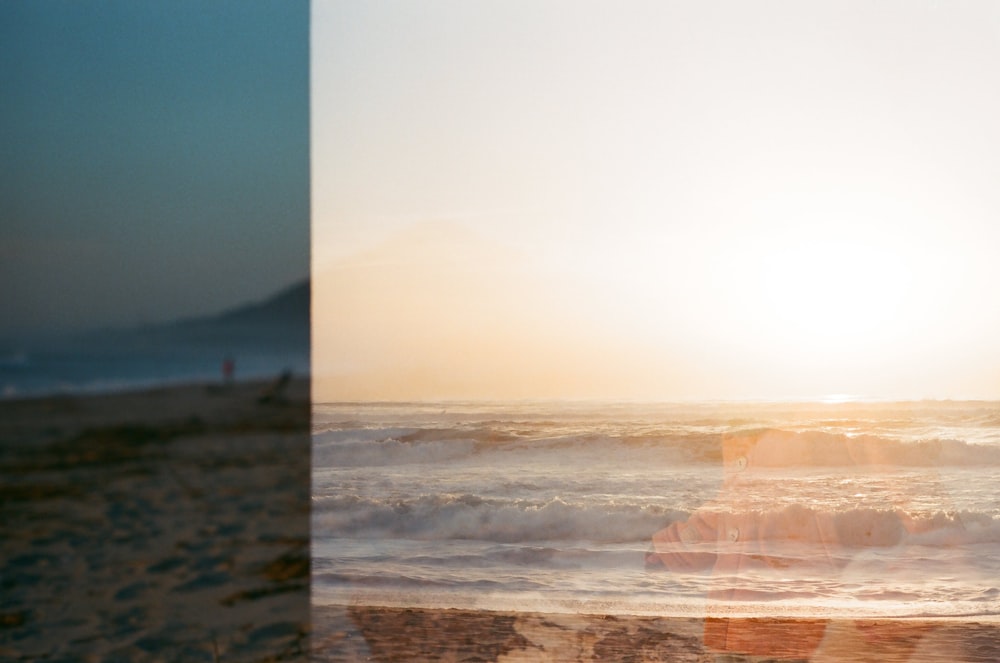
x: 155, y: 158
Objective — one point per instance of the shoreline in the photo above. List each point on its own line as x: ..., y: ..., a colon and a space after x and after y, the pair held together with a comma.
x: 629, y: 611
x: 153, y: 387
x: 127, y: 387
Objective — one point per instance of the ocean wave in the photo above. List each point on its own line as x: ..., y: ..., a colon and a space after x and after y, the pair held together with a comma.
x: 767, y: 447
x: 782, y: 448
x: 467, y: 516
x: 714, y: 531
x: 391, y: 451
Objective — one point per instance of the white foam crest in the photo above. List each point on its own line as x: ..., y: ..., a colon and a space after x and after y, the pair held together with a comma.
x: 325, y: 436
x: 962, y: 528
x: 466, y: 516
x: 850, y: 528
x: 368, y: 453
x: 775, y: 448
x: 782, y: 448
x: 353, y: 447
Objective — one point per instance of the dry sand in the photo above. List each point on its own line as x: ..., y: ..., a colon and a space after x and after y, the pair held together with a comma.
x: 165, y: 525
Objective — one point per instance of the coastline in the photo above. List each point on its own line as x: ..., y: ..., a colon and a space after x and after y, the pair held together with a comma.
x: 161, y: 524
x: 173, y: 524
x: 516, y: 532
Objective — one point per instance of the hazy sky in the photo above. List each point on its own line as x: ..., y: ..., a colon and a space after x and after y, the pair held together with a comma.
x: 155, y: 158
x: 662, y: 200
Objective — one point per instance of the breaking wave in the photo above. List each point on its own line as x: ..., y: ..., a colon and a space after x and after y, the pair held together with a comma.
x: 464, y: 516
x: 771, y: 447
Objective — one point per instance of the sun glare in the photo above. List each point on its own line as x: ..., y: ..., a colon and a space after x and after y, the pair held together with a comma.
x: 832, y: 296
x: 839, y: 399
x: 705, y: 227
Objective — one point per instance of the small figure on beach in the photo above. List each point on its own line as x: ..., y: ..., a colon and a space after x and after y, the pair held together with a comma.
x: 228, y: 369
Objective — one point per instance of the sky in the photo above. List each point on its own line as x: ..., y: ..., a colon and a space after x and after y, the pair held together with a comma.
x: 155, y: 159
x: 655, y: 200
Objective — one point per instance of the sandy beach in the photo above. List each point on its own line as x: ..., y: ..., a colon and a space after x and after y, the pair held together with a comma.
x: 173, y: 525
x: 409, y: 634
x: 162, y: 525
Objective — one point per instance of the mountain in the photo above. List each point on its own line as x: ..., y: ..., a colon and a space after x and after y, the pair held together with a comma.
x: 279, y: 321
x: 290, y: 307
x: 263, y: 338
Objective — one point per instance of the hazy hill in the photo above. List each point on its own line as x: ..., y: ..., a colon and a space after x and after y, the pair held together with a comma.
x: 263, y: 338
x: 289, y: 307
x: 278, y: 323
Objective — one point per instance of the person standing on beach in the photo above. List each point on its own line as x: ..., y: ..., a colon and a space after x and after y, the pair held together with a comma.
x: 228, y: 369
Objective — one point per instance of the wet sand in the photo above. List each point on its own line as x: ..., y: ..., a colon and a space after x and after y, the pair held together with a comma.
x: 358, y: 633
x: 164, y: 525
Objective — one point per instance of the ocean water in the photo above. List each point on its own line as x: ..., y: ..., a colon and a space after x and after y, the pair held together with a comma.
x: 783, y: 509
x: 118, y: 361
